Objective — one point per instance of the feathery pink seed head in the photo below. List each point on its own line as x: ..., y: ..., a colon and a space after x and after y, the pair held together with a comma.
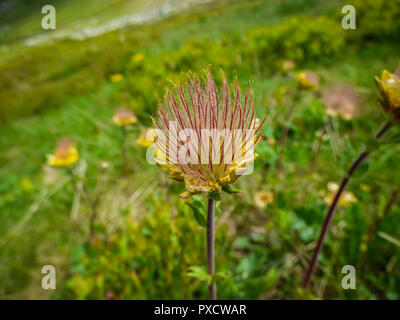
x: 205, y: 138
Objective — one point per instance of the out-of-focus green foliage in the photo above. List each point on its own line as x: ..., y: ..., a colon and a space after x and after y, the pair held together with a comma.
x: 50, y: 73
x: 376, y: 19
x: 147, y: 259
x: 148, y: 243
x: 299, y: 38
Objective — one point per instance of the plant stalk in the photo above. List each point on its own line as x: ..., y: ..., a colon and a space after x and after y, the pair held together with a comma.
x: 285, y: 132
x: 212, y: 287
x: 282, y: 143
x: 123, y: 150
x: 335, y: 202
x: 92, y: 203
x: 374, y: 227
x: 314, y: 162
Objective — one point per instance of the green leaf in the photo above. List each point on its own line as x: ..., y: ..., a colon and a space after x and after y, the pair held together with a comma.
x: 361, y: 169
x: 214, y: 195
x: 199, y: 210
x: 222, y: 274
x: 199, y: 272
x: 228, y: 189
x: 217, y: 208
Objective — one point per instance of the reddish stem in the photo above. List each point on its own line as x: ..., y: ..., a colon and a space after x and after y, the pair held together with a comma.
x: 212, y: 288
x: 333, y: 206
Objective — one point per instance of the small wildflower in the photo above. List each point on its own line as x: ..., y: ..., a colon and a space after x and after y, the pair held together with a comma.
x: 263, y: 198
x: 197, y: 108
x: 333, y: 187
x: 116, y: 77
x: 146, y: 138
x: 346, y: 200
x: 342, y: 101
x: 64, y: 155
x: 104, y: 165
x: 307, y: 80
x: 288, y: 65
x: 138, y: 57
x: 389, y: 87
x: 124, y: 117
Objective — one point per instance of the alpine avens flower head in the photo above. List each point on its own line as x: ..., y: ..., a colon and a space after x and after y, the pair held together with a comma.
x: 206, y: 135
x: 389, y: 87
x: 288, y: 65
x: 263, y: 198
x: 65, y: 154
x: 342, y: 101
x: 307, y: 80
x: 346, y: 200
x: 124, y: 117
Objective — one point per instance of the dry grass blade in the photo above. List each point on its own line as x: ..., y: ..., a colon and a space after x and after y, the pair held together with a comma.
x: 20, y: 225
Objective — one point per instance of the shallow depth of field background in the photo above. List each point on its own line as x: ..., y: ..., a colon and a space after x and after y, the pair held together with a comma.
x: 54, y: 85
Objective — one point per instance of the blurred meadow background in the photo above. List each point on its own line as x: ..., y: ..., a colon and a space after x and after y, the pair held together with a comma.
x: 146, y: 242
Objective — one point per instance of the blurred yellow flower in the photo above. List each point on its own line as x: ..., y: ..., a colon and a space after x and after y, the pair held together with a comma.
x: 307, y: 80
x: 389, y: 87
x: 271, y: 141
x: 263, y: 198
x: 138, y: 57
x: 116, y: 77
x: 288, y: 65
x: 346, y: 200
x: 124, y: 117
x: 64, y: 155
x: 146, y: 138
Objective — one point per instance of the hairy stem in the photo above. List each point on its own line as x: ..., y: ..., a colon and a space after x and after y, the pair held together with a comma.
x: 212, y: 288
x: 335, y: 202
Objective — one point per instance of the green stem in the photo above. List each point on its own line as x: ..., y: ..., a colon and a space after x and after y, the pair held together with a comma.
x: 285, y: 133
x: 89, y: 201
x: 123, y: 150
x: 374, y: 227
x: 212, y: 288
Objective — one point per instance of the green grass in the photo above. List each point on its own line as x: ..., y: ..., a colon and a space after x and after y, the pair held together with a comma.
x: 63, y: 89
x: 24, y: 18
